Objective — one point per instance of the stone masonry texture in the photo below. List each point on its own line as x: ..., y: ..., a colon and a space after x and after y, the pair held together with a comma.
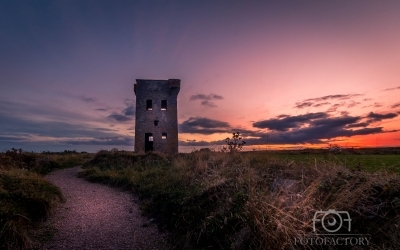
x: 146, y: 120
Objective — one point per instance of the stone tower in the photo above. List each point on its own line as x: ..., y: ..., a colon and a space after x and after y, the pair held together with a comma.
x: 156, y: 125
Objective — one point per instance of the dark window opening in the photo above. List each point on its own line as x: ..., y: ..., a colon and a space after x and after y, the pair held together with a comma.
x: 156, y: 122
x: 163, y: 104
x: 164, y: 136
x: 148, y: 142
x: 149, y: 105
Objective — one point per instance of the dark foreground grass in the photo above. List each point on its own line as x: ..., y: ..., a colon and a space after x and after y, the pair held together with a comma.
x: 253, y: 200
x: 26, y: 199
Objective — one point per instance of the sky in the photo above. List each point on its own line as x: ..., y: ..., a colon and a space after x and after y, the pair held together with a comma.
x: 285, y: 74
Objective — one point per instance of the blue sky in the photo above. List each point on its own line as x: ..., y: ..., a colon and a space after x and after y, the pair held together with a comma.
x: 284, y: 73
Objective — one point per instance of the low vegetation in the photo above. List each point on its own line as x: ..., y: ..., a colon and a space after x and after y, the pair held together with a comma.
x: 227, y: 200
x: 25, y: 197
x: 257, y: 200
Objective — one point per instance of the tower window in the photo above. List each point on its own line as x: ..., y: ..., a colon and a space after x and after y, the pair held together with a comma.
x: 149, y: 105
x: 164, y: 136
x: 163, y: 104
x: 156, y: 122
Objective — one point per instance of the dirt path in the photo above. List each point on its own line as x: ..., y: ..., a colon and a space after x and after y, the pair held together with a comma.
x: 96, y: 216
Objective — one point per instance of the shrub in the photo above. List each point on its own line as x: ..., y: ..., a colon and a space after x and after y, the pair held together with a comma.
x: 234, y: 144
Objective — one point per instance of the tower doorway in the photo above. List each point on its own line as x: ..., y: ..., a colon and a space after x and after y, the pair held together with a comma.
x: 148, y: 142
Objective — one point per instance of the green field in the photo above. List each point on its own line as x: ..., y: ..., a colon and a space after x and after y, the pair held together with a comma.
x: 370, y: 163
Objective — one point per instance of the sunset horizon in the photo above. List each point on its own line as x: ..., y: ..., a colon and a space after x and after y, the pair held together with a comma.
x: 285, y: 75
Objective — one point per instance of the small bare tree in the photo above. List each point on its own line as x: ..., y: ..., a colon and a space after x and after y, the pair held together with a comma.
x: 234, y: 144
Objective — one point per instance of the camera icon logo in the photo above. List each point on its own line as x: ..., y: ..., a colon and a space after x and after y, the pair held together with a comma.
x: 332, y: 220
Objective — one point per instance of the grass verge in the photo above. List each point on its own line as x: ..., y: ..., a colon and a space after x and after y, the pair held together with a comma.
x: 26, y: 198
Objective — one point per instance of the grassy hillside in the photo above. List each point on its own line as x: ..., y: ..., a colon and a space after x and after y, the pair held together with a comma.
x: 255, y: 200
x: 25, y: 197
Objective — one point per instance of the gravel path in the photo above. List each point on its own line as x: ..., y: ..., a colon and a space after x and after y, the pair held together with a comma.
x: 96, y: 216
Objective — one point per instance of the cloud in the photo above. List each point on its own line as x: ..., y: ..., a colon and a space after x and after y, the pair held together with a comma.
x: 321, y: 101
x: 17, y: 117
x: 87, y: 99
x: 28, y: 133
x: 34, y: 111
x: 36, y: 127
x: 12, y: 138
x: 195, y: 143
x: 334, y: 107
x: 355, y: 125
x: 373, y: 117
x: 353, y: 104
x: 396, y: 105
x: 102, y: 109
x: 19, y: 125
x: 205, y: 123
x: 119, y: 117
x: 33, y: 134
x: 127, y: 114
x: 208, y: 104
x: 392, y: 88
x: 300, y: 105
x: 78, y: 97
x: 205, y: 97
x: 129, y: 111
x: 202, y: 125
x: 313, y: 135
x: 321, y: 104
x: 314, y: 128
x: 206, y: 100
x: 107, y: 141
x: 24, y: 139
x: 375, y: 105
x: 330, y: 97
x: 335, y: 121
x: 288, y: 122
